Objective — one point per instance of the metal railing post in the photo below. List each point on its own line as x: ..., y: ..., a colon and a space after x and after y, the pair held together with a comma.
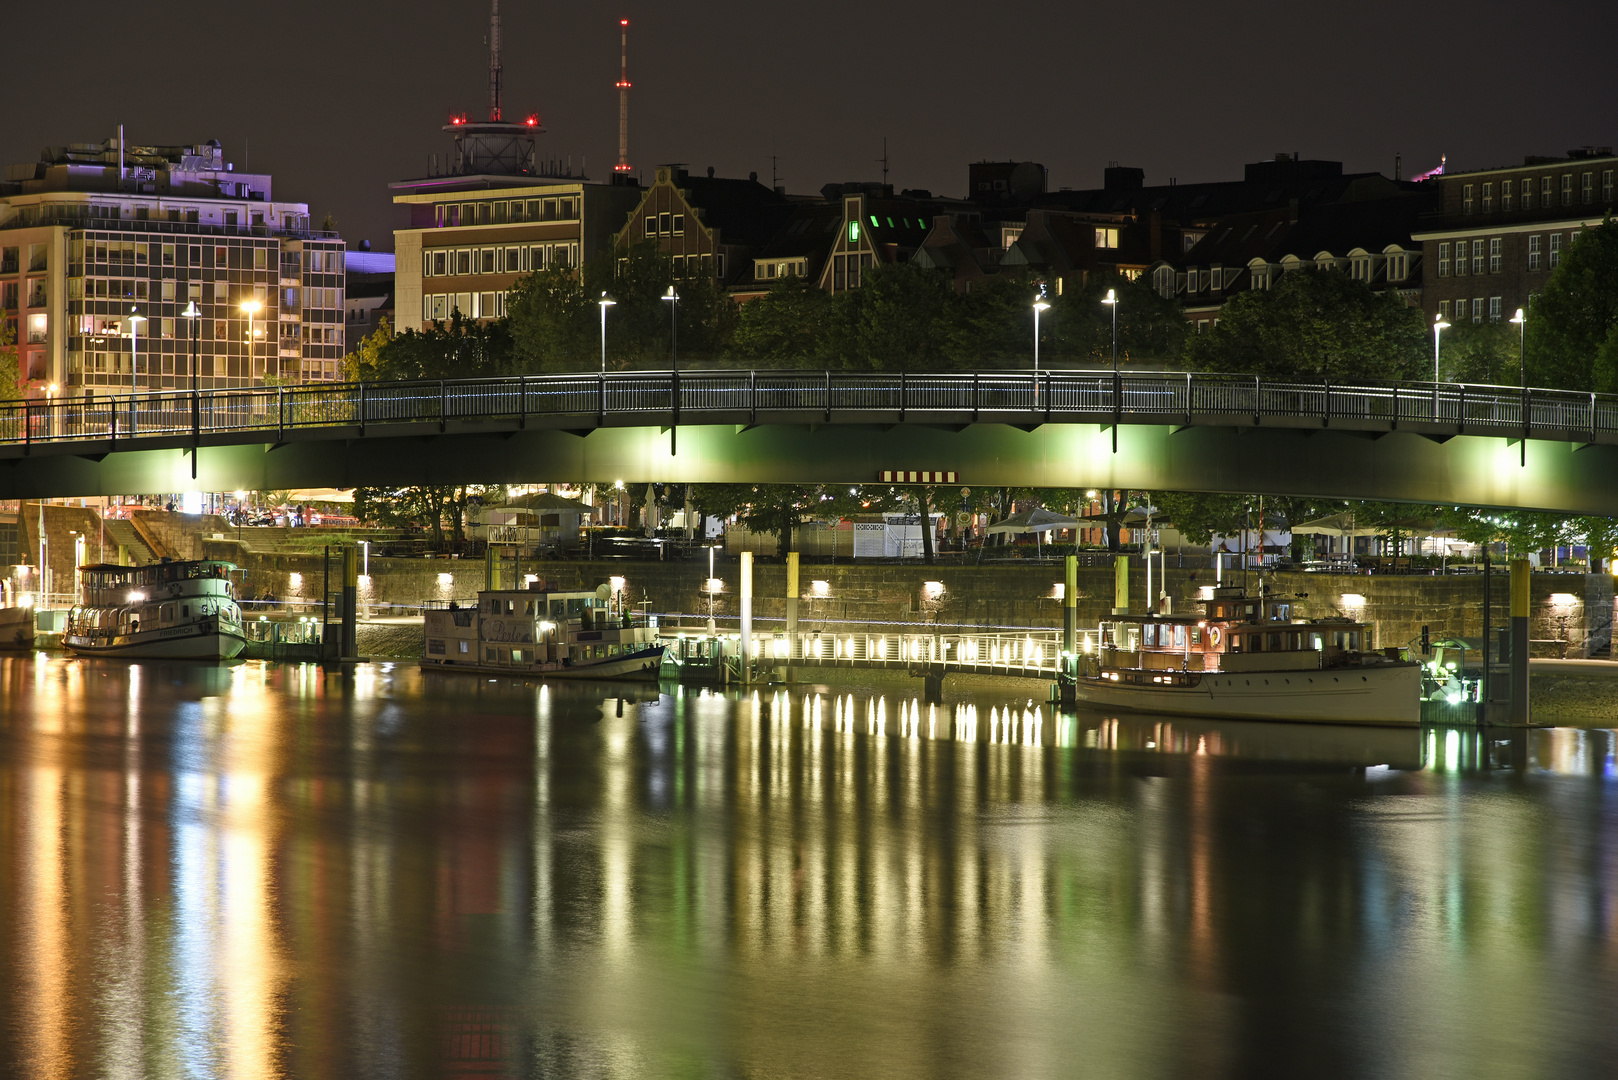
x: 1460, y: 408
x: 903, y: 388
x: 443, y: 404
x: 828, y: 395
x: 976, y: 390
x: 1188, y: 399
x: 752, y: 395
x: 1048, y: 404
x: 522, y: 402
x: 362, y: 409
x: 28, y: 428
x: 1257, y: 399
x: 280, y: 414
x: 601, y: 399
x: 1325, y: 404
x: 1395, y: 425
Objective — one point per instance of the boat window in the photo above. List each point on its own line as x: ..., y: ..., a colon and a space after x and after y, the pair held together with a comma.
x: 518, y: 656
x: 1354, y: 641
x: 1315, y: 643
x: 1196, y: 635
x: 1149, y: 635
x: 1235, y: 643
x: 464, y: 649
x: 1179, y: 636
x: 168, y: 612
x: 1274, y: 643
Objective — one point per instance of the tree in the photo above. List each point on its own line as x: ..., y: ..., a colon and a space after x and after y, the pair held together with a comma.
x: 1480, y: 353
x: 553, y: 322
x: 1198, y: 516
x: 1314, y: 324
x: 1150, y: 326
x: 795, y: 324
x: 365, y: 364
x: 993, y: 325
x: 1573, y: 324
x: 398, y: 507
x: 10, y: 390
x: 457, y: 350
x: 899, y: 317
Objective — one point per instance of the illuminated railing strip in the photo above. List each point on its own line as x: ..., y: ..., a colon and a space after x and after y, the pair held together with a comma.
x: 726, y: 396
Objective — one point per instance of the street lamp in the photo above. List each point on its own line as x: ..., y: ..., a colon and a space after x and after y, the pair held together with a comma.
x: 605, y: 302
x: 1039, y: 306
x: 1521, y: 319
x: 1111, y: 300
x: 134, y: 320
x: 252, y: 307
x: 673, y: 299
x: 193, y: 314
x: 1439, y: 326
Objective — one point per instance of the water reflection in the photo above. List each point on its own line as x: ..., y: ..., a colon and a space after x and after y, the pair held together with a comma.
x: 254, y: 871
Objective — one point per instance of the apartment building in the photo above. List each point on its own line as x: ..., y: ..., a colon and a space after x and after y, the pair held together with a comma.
x: 120, y: 263
x: 1498, y: 233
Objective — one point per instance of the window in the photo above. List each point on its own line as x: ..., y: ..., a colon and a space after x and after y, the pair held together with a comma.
x: 1359, y: 268
x: 1106, y: 238
x: 679, y: 224
x: 1466, y: 199
x: 1606, y: 186
x: 854, y: 231
x: 1460, y: 258
x: 1477, y: 256
x: 488, y: 261
x: 168, y: 291
x: 1443, y: 310
x: 1477, y: 309
x: 651, y: 224
x: 1533, y: 252
x: 221, y: 330
x: 513, y: 258
x: 426, y: 264
x: 1567, y: 189
x: 463, y: 262
x: 1545, y: 192
x: 1443, y: 260
x: 665, y: 223
x: 1505, y: 194
x: 1587, y: 187
x: 1556, y: 250
x: 1494, y: 309
x: 440, y: 263
x: 1494, y: 255
x: 1488, y: 198
x: 1398, y: 267
x: 220, y: 290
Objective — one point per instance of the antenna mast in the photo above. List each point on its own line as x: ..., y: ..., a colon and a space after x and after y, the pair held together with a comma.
x: 494, y: 62
x: 623, y: 98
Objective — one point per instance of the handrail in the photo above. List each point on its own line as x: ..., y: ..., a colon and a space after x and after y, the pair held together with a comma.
x: 754, y: 395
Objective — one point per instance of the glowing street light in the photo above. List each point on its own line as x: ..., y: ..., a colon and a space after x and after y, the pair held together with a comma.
x: 1521, y: 321
x: 605, y: 302
x: 673, y: 299
x: 134, y: 320
x: 1039, y: 306
x: 1111, y: 300
x: 1439, y: 326
x: 252, y: 307
x: 193, y: 315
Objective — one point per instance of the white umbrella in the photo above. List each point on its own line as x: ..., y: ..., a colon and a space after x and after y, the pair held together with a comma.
x: 1034, y: 521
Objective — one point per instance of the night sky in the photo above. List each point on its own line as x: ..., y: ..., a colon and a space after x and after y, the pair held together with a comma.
x: 337, y: 98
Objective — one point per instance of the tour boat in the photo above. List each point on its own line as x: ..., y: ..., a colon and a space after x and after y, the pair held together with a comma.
x: 1247, y: 658
x: 173, y: 610
x: 541, y: 632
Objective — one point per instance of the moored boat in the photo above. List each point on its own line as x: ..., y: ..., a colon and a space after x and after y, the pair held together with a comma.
x: 176, y: 610
x: 1246, y: 657
x: 17, y: 627
x: 542, y: 632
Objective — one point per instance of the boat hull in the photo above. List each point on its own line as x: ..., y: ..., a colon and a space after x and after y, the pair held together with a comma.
x: 1375, y: 694
x: 16, y: 628
x: 639, y: 666
x: 195, y: 644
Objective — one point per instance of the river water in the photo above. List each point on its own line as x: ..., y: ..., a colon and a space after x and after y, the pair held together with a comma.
x: 257, y: 871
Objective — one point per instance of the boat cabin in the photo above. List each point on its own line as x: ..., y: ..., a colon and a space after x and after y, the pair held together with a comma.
x: 1235, y: 633
x: 527, y: 628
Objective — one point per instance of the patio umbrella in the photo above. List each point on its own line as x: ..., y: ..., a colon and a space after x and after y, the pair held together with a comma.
x: 1035, y: 521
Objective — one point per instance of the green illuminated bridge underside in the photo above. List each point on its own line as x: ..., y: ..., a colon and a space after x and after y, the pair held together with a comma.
x: 1449, y: 444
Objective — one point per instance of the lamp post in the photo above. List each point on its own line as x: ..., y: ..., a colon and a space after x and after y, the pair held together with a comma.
x: 605, y: 302
x: 1111, y: 300
x: 252, y: 307
x: 134, y: 320
x: 673, y: 299
x: 1039, y: 306
x: 1521, y: 320
x: 193, y: 315
x: 1439, y: 326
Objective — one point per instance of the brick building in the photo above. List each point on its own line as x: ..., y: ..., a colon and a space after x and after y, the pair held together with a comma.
x: 1497, y: 234
x: 707, y: 225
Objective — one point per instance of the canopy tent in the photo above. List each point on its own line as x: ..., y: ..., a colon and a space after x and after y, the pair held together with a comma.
x: 1038, y: 522
x: 322, y: 495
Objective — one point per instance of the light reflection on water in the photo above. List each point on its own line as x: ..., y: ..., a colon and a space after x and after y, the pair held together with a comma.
x: 257, y: 871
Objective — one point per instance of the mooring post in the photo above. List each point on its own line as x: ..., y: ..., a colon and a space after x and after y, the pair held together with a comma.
x: 746, y: 590
x: 792, y: 609
x: 351, y: 603
x: 1067, y: 673
x: 1519, y: 641
x: 1120, y: 584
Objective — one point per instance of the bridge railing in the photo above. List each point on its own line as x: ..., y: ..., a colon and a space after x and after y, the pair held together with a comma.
x: 1151, y: 397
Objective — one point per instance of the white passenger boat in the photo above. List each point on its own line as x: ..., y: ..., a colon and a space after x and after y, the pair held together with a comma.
x: 542, y: 632
x: 1247, y: 658
x: 183, y: 610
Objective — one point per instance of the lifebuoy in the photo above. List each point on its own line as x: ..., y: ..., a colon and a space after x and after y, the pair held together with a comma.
x: 1213, y: 634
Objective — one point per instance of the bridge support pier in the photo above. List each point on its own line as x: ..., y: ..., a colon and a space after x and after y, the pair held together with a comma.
x: 1120, y: 584
x: 932, y: 685
x: 349, y: 649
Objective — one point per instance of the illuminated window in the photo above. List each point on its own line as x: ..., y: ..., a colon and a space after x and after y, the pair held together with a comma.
x: 854, y: 232
x: 1106, y: 238
x: 1494, y: 255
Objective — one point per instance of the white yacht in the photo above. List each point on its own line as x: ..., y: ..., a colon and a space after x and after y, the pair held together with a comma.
x: 1246, y: 657
x: 173, y: 610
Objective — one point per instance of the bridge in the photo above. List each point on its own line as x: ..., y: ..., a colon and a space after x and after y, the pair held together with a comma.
x: 1441, y: 443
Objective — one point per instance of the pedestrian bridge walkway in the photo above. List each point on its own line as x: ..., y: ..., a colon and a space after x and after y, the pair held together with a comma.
x: 1032, y: 654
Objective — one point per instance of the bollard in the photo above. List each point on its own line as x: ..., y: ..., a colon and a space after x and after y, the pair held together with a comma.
x: 349, y: 650
x: 792, y: 610
x: 1519, y: 641
x: 1120, y: 578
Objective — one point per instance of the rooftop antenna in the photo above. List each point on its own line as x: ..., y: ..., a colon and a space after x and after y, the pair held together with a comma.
x: 775, y: 180
x: 494, y: 62
x: 622, y: 167
x: 884, y: 161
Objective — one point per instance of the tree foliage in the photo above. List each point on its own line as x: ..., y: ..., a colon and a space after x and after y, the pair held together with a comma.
x: 1573, y: 324
x: 1314, y: 324
x: 459, y: 349
x: 9, y: 375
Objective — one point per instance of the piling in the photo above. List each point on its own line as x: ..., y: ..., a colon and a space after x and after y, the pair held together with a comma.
x: 1519, y: 641
x: 746, y: 590
x: 349, y: 650
x: 792, y: 610
x: 1120, y: 578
